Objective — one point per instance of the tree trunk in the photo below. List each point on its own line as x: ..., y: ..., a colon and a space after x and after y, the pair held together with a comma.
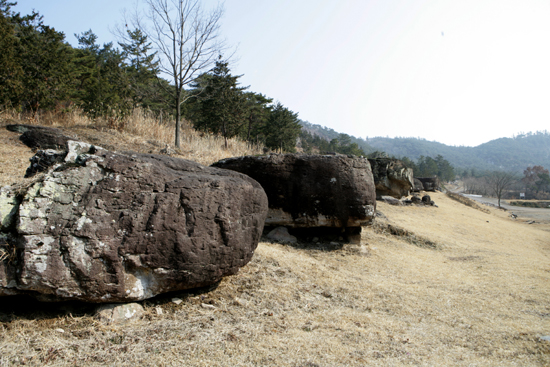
x: 224, y: 134
x: 249, y: 128
x: 178, y: 117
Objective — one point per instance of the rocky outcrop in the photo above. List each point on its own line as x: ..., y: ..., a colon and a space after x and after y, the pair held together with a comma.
x: 105, y: 227
x: 417, y: 200
x: 429, y: 183
x: 427, y: 200
x: 40, y: 137
x: 391, y: 177
x: 417, y: 185
x: 307, y: 191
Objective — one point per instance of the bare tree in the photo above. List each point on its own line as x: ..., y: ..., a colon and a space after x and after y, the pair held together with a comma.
x: 187, y: 41
x: 500, y: 181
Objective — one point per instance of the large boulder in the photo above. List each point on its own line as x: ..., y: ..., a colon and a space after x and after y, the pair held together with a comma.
x: 430, y: 183
x: 307, y: 191
x: 391, y: 177
x: 105, y: 227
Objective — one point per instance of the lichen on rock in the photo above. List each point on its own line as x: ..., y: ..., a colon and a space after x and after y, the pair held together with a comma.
x: 106, y: 227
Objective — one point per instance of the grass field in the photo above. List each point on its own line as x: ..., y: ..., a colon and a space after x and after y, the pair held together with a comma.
x: 477, y: 295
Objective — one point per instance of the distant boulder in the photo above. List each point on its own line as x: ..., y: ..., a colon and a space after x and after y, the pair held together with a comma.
x: 417, y: 185
x: 391, y: 177
x: 427, y: 200
x: 391, y: 200
x: 306, y: 191
x: 417, y: 200
x: 430, y: 183
x: 105, y: 227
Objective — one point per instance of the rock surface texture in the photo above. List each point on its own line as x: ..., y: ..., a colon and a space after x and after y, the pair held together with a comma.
x: 311, y: 190
x: 429, y: 183
x: 105, y: 227
x: 391, y: 177
x: 40, y: 137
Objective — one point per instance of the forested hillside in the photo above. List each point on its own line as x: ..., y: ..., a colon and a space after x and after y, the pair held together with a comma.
x: 326, y: 139
x: 514, y: 154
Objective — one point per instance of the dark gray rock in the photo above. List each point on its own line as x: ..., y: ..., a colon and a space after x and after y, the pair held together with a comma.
x: 391, y: 177
x: 429, y: 183
x: 307, y: 191
x: 417, y: 185
x: 427, y: 200
x: 43, y: 160
x: 105, y: 227
x: 40, y: 137
x: 391, y: 200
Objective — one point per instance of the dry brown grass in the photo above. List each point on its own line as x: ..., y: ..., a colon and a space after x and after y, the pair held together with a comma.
x: 139, y: 132
x: 480, y: 298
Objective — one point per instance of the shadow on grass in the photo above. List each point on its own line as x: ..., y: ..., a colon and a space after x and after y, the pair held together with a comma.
x: 316, y: 238
x: 28, y: 308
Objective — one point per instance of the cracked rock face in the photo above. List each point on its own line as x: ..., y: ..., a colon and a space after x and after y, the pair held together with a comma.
x: 105, y: 227
x: 312, y: 190
x: 391, y: 177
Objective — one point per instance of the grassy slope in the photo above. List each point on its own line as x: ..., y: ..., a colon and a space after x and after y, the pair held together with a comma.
x: 482, y: 298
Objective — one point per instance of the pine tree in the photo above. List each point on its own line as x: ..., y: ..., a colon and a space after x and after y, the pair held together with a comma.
x: 11, y: 72
x: 142, y: 70
x: 103, y: 83
x: 220, y: 105
x: 257, y: 112
x: 282, y: 129
x: 37, y: 73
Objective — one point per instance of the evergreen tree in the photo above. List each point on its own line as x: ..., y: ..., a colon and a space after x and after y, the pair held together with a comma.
x: 37, y: 72
x: 102, y: 81
x: 142, y: 70
x: 221, y: 106
x: 282, y: 129
x: 11, y: 72
x: 427, y: 167
x: 445, y: 171
x: 257, y: 111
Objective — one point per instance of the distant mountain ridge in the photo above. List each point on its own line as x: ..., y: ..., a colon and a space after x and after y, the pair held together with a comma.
x: 510, y: 154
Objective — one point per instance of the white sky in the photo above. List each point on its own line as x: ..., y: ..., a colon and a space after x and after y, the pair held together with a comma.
x: 461, y: 72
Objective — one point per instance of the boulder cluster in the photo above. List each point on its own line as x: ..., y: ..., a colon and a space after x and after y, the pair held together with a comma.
x: 101, y: 226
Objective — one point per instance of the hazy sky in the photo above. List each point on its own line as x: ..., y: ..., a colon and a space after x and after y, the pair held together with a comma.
x: 461, y: 72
